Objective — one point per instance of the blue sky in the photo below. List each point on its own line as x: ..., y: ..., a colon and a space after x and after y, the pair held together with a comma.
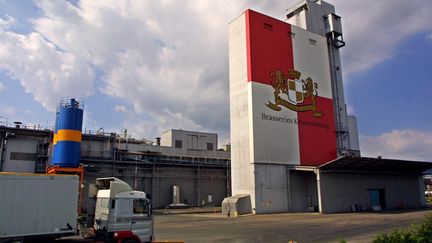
x: 149, y: 66
x: 395, y: 94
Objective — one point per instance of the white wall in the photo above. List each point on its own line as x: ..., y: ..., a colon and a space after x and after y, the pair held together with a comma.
x: 20, y: 146
x: 242, y: 169
x: 190, y: 140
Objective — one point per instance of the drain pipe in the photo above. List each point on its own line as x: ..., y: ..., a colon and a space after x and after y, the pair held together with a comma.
x: 3, y: 150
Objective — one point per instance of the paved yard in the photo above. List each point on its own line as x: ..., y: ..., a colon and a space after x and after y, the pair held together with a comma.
x: 305, y: 227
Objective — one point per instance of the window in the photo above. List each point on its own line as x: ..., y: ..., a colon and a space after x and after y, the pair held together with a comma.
x: 178, y: 143
x: 268, y: 26
x: 209, y: 146
x: 22, y: 156
x: 312, y: 42
x: 326, y: 23
x: 140, y: 206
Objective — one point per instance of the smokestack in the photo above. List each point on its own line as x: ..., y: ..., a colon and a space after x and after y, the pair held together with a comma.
x: 17, y: 124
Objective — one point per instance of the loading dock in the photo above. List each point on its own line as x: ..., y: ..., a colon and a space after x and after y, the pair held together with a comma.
x: 357, y: 184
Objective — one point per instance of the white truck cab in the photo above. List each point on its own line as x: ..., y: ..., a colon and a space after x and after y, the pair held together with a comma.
x: 121, y: 214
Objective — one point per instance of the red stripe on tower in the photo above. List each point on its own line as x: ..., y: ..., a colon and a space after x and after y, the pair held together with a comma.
x: 317, y: 135
x: 269, y: 47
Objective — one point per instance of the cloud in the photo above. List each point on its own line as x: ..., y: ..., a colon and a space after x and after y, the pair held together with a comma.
x: 399, y: 144
x: 168, y: 65
x: 430, y: 36
x: 43, y: 70
x: 159, y: 123
x: 119, y: 108
x: 2, y: 87
x: 169, y: 59
x: 373, y: 30
x: 7, y: 22
x: 7, y: 110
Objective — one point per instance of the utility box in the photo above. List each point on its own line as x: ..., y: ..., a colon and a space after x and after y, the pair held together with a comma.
x: 236, y: 205
x: 37, y: 205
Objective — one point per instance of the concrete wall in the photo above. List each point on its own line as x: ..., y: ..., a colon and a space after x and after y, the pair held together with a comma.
x: 340, y: 191
x: 100, y: 149
x: 242, y: 169
x: 190, y: 140
x: 134, y: 147
x: 195, y: 184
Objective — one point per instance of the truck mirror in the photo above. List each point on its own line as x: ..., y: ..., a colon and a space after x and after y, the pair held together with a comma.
x: 149, y: 209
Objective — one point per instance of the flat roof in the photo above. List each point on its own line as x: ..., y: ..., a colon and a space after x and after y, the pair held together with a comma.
x: 366, y: 164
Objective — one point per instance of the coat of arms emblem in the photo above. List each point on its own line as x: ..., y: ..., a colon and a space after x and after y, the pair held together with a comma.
x: 301, y: 94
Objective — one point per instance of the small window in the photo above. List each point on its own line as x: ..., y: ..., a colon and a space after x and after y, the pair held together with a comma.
x: 113, y: 203
x: 268, y: 26
x: 178, y: 143
x: 140, y: 206
x: 326, y: 22
x: 312, y: 42
x: 209, y: 146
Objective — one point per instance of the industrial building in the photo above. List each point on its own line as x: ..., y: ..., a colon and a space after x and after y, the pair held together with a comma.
x: 294, y: 148
x: 197, y: 168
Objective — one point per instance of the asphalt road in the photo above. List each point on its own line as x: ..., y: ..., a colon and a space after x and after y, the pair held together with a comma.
x: 301, y: 228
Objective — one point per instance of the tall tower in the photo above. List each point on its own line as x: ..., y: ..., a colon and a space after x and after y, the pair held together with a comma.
x: 319, y: 17
x: 281, y: 107
x: 287, y: 107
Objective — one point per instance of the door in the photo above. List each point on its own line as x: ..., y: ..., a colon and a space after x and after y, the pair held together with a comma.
x: 377, y: 199
x: 382, y: 198
x: 142, y: 219
x: 123, y: 213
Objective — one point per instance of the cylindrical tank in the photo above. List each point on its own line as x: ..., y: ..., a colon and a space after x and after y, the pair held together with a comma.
x: 176, y: 194
x: 67, y: 133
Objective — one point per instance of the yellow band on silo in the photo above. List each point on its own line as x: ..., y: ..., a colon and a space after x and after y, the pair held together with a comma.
x: 67, y: 135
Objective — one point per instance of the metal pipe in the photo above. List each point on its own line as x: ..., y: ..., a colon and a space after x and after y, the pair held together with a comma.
x: 2, y: 152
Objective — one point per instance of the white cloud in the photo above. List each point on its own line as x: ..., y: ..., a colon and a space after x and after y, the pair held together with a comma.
x: 120, y: 108
x: 7, y: 22
x: 150, y: 55
x: 44, y: 71
x: 90, y: 125
x: 399, y: 144
x: 2, y: 87
x: 7, y: 110
x: 169, y: 59
x: 159, y: 123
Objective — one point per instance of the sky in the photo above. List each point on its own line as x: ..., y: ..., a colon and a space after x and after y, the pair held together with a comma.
x: 150, y: 66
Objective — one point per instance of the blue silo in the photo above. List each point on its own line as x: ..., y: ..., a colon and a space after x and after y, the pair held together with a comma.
x: 67, y: 133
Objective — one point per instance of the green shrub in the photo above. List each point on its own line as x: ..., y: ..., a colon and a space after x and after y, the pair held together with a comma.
x: 415, y: 234
x: 424, y: 231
